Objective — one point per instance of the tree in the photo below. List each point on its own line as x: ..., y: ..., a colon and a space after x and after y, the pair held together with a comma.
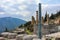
x: 25, y: 25
x: 45, y: 19
x: 20, y: 26
x: 28, y: 23
x: 52, y: 16
x: 6, y: 30
x: 29, y: 26
x: 57, y: 14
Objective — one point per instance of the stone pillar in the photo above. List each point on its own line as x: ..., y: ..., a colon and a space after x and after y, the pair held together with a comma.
x: 37, y: 17
x: 47, y: 18
x: 33, y: 20
x: 34, y: 25
x: 35, y: 29
x: 39, y: 24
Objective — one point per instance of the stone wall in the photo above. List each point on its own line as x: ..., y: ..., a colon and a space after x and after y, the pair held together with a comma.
x: 48, y: 29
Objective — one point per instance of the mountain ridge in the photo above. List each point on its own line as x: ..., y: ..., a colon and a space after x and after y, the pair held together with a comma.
x: 10, y: 23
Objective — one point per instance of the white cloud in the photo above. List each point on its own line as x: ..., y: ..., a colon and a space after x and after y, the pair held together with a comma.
x: 22, y: 7
x: 48, y: 0
x: 2, y: 13
x: 7, y: 0
x: 49, y: 5
x: 20, y: 1
x: 54, y: 5
x: 4, y: 6
x: 23, y: 13
x: 13, y: 9
x: 11, y: 1
x: 44, y: 6
x: 32, y: 1
x: 37, y: 1
x: 29, y: 1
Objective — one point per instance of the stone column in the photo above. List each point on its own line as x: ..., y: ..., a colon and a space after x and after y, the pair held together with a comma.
x: 47, y: 18
x: 34, y: 25
x: 33, y: 20
x: 37, y: 17
x: 39, y: 24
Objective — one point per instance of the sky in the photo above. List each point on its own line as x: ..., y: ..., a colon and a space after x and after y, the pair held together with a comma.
x: 24, y: 9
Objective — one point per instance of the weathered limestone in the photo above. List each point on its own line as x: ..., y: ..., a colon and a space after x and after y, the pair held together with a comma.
x: 20, y: 37
x: 57, y: 20
x: 19, y: 31
x: 30, y: 37
x: 27, y: 37
x: 37, y: 17
x: 2, y: 38
x: 35, y: 29
x: 47, y: 18
x: 36, y: 39
x: 33, y: 20
x: 34, y: 24
x: 53, y: 36
x: 5, y: 34
x: 12, y: 35
x: 11, y: 39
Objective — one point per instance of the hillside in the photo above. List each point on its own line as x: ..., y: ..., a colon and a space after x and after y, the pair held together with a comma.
x: 54, y: 16
x: 10, y: 23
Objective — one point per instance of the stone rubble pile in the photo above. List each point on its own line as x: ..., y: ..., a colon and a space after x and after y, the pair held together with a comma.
x: 14, y: 36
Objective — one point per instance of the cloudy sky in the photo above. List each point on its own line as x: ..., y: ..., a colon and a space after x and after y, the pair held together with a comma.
x: 24, y: 9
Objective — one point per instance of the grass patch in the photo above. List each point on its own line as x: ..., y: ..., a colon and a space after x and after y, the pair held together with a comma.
x: 28, y: 32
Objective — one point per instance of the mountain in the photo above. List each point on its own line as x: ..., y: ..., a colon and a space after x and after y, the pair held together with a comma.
x: 10, y: 23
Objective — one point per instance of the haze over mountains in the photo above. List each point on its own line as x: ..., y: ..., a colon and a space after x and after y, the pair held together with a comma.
x: 10, y: 23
